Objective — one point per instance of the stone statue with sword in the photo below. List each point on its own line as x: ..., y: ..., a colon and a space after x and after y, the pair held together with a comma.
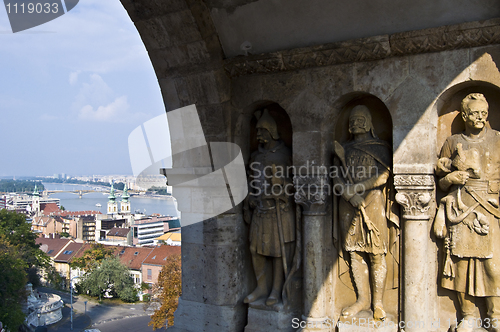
x: 364, y: 211
x: 270, y: 211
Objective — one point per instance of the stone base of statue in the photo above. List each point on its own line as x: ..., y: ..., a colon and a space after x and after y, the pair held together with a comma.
x: 453, y: 328
x: 270, y: 318
x: 193, y: 316
x: 364, y: 322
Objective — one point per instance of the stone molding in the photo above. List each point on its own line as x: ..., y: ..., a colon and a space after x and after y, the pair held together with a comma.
x: 471, y: 34
x: 311, y: 193
x: 412, y: 180
x: 415, y: 195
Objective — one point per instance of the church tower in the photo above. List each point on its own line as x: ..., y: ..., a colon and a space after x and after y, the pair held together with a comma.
x: 35, y: 204
x: 112, y: 205
x: 125, y: 204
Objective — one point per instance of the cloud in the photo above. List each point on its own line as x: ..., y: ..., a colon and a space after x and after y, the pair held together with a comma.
x: 73, y: 77
x: 96, y: 92
x: 115, y: 111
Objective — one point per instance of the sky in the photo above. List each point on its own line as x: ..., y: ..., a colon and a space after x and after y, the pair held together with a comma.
x: 71, y: 92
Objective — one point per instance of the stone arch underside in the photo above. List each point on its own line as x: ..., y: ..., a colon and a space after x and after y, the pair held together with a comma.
x: 406, y: 71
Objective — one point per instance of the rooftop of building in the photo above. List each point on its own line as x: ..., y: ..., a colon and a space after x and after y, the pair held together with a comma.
x: 68, y: 253
x: 133, y: 257
x: 52, y: 246
x: 170, y: 236
x: 119, y: 232
x: 160, y: 254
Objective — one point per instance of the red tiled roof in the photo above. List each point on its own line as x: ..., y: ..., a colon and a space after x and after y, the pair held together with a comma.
x: 88, y: 246
x: 52, y: 246
x: 67, y: 254
x: 159, y: 254
x: 48, y: 208
x: 76, y: 213
x: 133, y: 257
x: 85, y: 247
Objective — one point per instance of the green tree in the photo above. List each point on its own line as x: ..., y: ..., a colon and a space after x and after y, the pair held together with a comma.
x: 54, y: 279
x: 20, y: 186
x: 166, y: 293
x: 17, y: 231
x: 92, y: 257
x: 64, y: 234
x: 13, y: 280
x: 159, y: 190
x: 111, y: 277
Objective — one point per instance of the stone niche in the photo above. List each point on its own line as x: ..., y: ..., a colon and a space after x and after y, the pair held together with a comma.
x: 414, y: 101
x: 412, y: 82
x: 344, y: 289
x: 449, y: 123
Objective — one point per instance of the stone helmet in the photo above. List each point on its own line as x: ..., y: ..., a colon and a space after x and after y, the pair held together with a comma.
x: 363, y: 111
x: 266, y: 121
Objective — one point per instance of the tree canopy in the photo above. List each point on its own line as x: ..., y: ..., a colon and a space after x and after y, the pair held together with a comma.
x: 13, y: 186
x: 166, y: 293
x: 17, y: 231
x: 92, y: 257
x: 13, y: 280
x: 20, y: 261
x: 110, y: 278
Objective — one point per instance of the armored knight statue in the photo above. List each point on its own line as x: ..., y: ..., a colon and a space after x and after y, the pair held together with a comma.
x: 270, y: 210
x: 468, y: 216
x: 364, y: 210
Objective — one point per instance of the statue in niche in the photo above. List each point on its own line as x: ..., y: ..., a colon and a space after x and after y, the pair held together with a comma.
x: 270, y: 211
x: 365, y: 211
x: 468, y: 216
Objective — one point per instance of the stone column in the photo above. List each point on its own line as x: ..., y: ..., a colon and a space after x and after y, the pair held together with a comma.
x: 415, y: 193
x: 311, y: 194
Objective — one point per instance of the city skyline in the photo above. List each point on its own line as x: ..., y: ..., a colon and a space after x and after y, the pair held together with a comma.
x: 73, y: 90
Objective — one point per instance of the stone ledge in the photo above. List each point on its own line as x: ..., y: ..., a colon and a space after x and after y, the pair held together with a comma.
x: 471, y: 34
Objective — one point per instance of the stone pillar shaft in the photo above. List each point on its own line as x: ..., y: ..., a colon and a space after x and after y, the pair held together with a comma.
x: 415, y: 193
x: 311, y: 194
x: 314, y: 302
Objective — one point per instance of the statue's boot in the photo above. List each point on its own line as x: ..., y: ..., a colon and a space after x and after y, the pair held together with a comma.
x: 378, y: 277
x: 468, y: 322
x: 493, y: 306
x: 362, y: 283
x: 259, y: 266
x: 278, y: 280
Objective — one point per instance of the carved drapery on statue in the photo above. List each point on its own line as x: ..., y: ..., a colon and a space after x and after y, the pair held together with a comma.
x: 468, y: 216
x: 271, y: 212
x: 369, y: 224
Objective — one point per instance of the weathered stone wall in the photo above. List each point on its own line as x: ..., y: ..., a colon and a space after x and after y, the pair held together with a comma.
x: 414, y: 88
x: 415, y: 76
x: 186, y: 55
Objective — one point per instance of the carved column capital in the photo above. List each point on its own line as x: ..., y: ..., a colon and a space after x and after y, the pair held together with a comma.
x: 311, y: 192
x: 415, y: 192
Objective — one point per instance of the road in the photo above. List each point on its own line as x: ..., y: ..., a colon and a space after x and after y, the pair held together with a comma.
x: 134, y: 324
x: 101, y: 315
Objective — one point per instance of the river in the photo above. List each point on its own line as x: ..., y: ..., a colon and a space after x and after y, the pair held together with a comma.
x: 72, y: 202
